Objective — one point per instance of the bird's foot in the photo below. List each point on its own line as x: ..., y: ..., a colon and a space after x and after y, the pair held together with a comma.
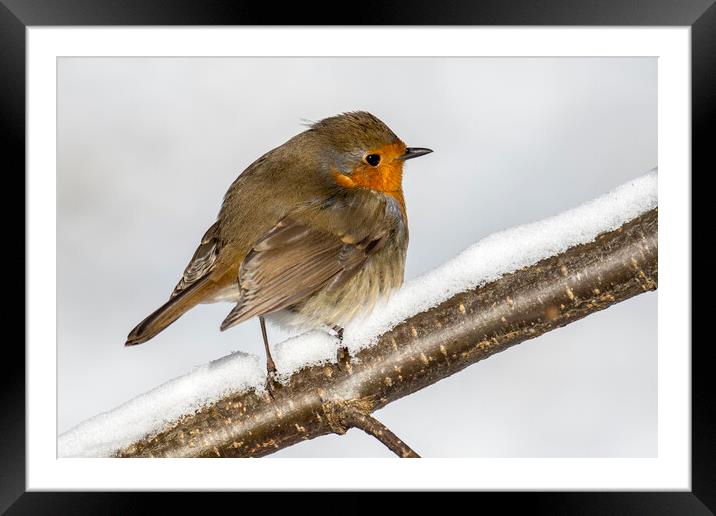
x: 343, y: 356
x: 272, y: 384
x: 339, y: 332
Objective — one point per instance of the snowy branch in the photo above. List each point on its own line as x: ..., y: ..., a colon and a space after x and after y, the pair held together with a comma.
x: 507, y: 288
x: 425, y: 348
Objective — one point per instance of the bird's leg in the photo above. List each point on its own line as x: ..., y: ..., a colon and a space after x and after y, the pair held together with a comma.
x: 270, y: 364
x: 343, y: 354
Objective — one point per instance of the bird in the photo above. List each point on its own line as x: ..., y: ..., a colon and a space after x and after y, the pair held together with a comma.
x: 310, y: 234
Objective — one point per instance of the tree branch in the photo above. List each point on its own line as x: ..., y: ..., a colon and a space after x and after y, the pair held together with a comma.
x: 342, y: 415
x: 425, y: 348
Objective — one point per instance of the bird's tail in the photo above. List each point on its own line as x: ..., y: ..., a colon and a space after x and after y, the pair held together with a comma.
x: 166, y: 314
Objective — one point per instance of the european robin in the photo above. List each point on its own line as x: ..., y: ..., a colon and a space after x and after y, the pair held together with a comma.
x: 312, y: 233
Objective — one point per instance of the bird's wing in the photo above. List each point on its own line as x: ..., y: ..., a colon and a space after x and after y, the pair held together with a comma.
x: 292, y: 261
x: 202, y: 263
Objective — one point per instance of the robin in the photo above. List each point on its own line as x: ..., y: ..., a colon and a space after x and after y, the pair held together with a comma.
x: 311, y: 233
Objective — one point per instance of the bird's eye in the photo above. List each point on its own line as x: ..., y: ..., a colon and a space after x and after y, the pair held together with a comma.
x: 373, y: 159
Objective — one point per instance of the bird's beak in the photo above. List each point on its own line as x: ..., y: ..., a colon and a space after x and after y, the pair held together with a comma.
x: 415, y: 152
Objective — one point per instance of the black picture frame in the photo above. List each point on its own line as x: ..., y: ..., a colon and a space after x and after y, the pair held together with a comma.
x: 16, y: 15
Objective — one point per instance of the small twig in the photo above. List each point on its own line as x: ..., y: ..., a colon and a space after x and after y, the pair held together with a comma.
x: 351, y: 417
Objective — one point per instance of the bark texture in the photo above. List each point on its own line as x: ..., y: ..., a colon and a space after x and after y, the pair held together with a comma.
x: 425, y: 348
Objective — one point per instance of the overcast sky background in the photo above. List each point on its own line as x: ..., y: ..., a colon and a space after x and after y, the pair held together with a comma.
x: 147, y: 147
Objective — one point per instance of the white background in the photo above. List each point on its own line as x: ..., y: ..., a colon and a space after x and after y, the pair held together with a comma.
x: 510, y: 162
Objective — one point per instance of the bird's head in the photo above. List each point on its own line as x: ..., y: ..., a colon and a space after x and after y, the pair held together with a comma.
x: 362, y: 152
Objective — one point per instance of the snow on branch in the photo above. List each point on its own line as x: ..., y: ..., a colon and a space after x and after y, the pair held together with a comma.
x: 509, y: 287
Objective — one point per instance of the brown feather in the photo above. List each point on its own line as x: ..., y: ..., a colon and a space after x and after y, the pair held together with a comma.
x: 203, y: 260
x: 168, y: 313
x: 293, y: 261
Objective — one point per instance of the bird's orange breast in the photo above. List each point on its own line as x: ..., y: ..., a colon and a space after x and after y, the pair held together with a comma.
x: 386, y: 178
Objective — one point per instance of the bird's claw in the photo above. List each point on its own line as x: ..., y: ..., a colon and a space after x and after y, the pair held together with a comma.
x: 343, y: 356
x: 272, y: 385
